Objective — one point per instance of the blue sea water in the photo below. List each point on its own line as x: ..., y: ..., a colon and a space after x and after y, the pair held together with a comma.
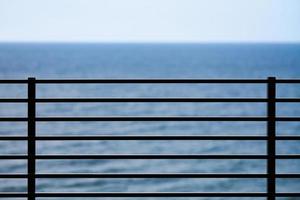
x: 19, y: 61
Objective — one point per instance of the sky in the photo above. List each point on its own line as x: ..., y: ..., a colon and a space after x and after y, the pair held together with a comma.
x: 150, y: 20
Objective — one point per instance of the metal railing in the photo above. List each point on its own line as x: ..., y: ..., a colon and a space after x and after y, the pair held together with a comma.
x: 270, y: 176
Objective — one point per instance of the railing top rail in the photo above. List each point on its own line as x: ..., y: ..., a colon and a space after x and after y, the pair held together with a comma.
x: 149, y: 81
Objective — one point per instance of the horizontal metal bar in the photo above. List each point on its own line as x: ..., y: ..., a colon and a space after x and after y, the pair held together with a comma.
x: 164, y: 194
x: 13, y: 157
x: 150, y: 156
x: 148, y: 118
x: 7, y: 81
x: 151, y: 175
x: 142, y: 194
x: 287, y: 100
x: 147, y: 100
x: 135, y: 175
x: 13, y: 137
x: 10, y: 100
x: 151, y: 137
x: 13, y: 195
x: 288, y: 119
x: 292, y: 81
x: 288, y: 175
x: 165, y: 156
x: 17, y: 175
x: 149, y: 81
x: 151, y: 118
x: 13, y: 119
x: 147, y: 175
x: 287, y: 194
x: 288, y: 156
x: 148, y: 137
x: 150, y: 194
x: 287, y: 137
x: 147, y: 156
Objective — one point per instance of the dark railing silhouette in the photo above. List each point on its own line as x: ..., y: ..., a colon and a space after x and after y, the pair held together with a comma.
x: 270, y: 138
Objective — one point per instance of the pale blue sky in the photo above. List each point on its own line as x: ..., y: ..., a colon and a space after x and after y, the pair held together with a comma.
x: 150, y: 20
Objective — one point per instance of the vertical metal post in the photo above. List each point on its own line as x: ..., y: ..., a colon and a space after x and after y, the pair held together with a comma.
x: 31, y: 150
x: 271, y: 144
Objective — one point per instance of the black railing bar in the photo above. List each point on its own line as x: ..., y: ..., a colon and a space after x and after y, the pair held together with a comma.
x: 288, y: 175
x: 287, y: 156
x: 287, y: 137
x: 146, y: 156
x: 134, y: 118
x: 149, y: 194
x: 288, y: 119
x: 14, y: 157
x: 167, y: 137
x: 164, y: 175
x: 147, y: 100
x: 13, y: 195
x: 13, y: 137
x: 150, y: 81
x: 63, y: 81
x: 16, y: 175
x: 287, y: 100
x: 152, y: 175
x: 289, y: 81
x: 149, y: 175
x: 13, y: 119
x: 15, y: 81
x: 136, y: 175
x: 148, y: 118
x: 155, y: 118
x: 152, y: 137
x: 271, y: 142
x: 13, y: 100
x: 149, y: 137
x: 287, y: 194
x: 31, y: 144
x: 142, y: 194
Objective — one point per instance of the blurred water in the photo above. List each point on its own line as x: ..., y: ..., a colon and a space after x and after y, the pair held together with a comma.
x: 149, y: 61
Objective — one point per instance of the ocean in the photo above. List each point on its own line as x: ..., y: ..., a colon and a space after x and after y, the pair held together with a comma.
x: 203, y: 61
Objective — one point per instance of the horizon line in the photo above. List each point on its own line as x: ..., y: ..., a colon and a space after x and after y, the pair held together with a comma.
x: 147, y: 42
